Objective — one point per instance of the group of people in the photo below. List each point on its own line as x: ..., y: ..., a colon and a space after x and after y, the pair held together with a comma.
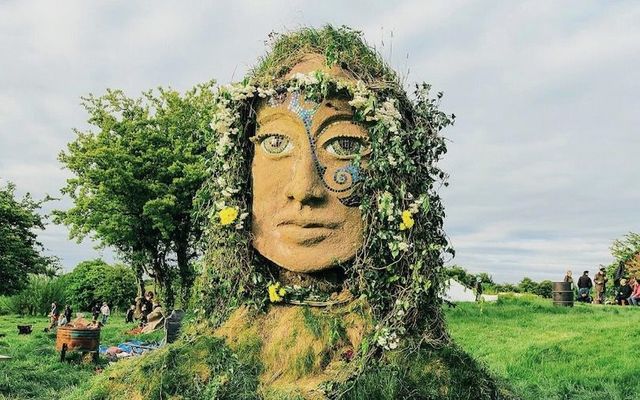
x: 627, y: 292
x: 103, y: 312
x: 142, y: 309
x: 57, y: 318
x: 54, y: 315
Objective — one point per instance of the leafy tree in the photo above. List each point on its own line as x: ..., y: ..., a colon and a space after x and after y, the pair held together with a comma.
x: 626, y: 251
x: 20, y: 250
x: 528, y: 285
x: 136, y: 177
x: 95, y: 281
x: 461, y: 275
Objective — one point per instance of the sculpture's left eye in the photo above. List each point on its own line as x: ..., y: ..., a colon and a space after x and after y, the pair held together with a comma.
x: 276, y: 144
x: 345, y: 146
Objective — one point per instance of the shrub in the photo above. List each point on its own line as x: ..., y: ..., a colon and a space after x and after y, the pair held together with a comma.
x: 37, y: 297
x: 96, y: 281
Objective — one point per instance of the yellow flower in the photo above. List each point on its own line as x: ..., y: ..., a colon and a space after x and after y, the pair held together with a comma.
x: 276, y: 292
x: 407, y: 220
x: 228, y: 215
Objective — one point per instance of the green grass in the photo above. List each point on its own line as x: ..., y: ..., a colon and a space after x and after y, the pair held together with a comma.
x: 543, y: 352
x: 547, y: 352
x: 35, y: 371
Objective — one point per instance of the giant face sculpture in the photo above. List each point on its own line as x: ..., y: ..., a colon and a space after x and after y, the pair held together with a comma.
x: 305, y: 214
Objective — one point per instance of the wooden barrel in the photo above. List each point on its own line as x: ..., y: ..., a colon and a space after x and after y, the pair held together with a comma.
x: 562, y: 294
x: 77, y: 339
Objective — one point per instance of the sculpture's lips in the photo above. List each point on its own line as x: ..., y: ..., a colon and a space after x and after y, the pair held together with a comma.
x: 309, y: 223
x: 306, y: 232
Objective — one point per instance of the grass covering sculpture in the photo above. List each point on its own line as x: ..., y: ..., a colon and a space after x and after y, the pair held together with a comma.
x: 325, y: 243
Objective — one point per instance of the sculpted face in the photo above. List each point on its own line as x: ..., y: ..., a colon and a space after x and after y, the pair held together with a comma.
x: 305, y: 215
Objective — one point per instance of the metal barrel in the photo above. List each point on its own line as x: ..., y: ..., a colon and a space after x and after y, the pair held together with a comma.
x: 562, y: 294
x: 77, y: 339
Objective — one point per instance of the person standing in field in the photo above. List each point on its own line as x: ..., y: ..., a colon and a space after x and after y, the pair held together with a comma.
x: 95, y: 311
x: 600, y: 280
x: 568, y: 277
x: 105, y: 311
x: 478, y: 288
x: 67, y: 313
x: 584, y: 287
x: 130, y: 312
x: 54, y: 314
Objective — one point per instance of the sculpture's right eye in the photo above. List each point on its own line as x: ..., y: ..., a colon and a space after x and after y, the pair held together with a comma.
x: 275, y: 143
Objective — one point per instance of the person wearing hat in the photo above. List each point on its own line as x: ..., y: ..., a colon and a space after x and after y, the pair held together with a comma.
x: 623, y: 293
x: 600, y: 281
x: 584, y: 287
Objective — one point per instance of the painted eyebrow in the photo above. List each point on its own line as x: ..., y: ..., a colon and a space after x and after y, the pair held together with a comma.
x: 275, y: 115
x: 331, y: 119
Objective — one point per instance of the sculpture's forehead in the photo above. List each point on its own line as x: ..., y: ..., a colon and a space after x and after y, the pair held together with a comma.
x: 294, y: 109
x: 317, y: 62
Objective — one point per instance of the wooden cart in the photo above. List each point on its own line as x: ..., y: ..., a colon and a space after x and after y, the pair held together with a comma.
x: 77, y: 339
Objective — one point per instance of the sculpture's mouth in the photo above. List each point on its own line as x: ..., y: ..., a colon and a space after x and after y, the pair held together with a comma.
x: 306, y: 232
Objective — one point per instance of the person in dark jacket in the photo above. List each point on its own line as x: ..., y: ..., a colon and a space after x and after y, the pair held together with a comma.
x: 623, y: 293
x: 129, y: 316
x: 95, y: 311
x: 67, y: 313
x: 584, y: 287
x: 147, y: 306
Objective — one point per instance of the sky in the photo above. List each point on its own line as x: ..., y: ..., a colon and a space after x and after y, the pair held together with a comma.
x: 542, y: 158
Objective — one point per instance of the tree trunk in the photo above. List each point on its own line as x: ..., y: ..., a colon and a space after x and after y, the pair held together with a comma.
x: 185, y: 269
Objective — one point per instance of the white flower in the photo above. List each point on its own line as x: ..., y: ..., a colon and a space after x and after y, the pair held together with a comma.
x: 403, y: 246
x: 392, y: 161
x: 305, y: 79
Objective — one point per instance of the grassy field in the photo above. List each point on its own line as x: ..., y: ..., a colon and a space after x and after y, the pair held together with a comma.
x: 35, y: 372
x: 544, y: 352
x: 547, y: 352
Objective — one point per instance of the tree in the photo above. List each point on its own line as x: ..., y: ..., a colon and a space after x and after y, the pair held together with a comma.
x: 20, y: 250
x: 626, y: 252
x: 461, y: 275
x: 528, y: 285
x: 136, y: 177
x: 96, y: 281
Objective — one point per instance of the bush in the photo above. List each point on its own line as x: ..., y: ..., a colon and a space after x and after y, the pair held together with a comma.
x: 96, y: 281
x: 37, y: 297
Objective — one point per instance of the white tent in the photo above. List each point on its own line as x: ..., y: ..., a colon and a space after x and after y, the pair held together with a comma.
x: 457, y: 292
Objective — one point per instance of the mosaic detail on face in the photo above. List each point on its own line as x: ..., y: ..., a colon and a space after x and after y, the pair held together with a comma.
x: 343, y: 180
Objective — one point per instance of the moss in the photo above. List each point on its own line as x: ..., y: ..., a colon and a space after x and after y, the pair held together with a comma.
x: 305, y: 363
x: 342, y: 46
x: 312, y: 322
x: 445, y: 373
x: 201, y: 368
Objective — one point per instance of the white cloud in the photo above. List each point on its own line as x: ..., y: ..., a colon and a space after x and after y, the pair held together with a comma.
x: 543, y: 156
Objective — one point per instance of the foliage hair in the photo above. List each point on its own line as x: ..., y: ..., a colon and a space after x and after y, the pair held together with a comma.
x: 402, y: 288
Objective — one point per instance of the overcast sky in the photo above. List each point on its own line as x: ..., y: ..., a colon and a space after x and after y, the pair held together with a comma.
x: 543, y: 157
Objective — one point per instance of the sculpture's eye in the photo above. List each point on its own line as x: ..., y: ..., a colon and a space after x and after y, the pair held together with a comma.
x: 345, y: 146
x: 275, y: 144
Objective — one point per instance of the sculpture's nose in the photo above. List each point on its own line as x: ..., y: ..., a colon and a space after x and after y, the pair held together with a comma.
x: 305, y: 186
